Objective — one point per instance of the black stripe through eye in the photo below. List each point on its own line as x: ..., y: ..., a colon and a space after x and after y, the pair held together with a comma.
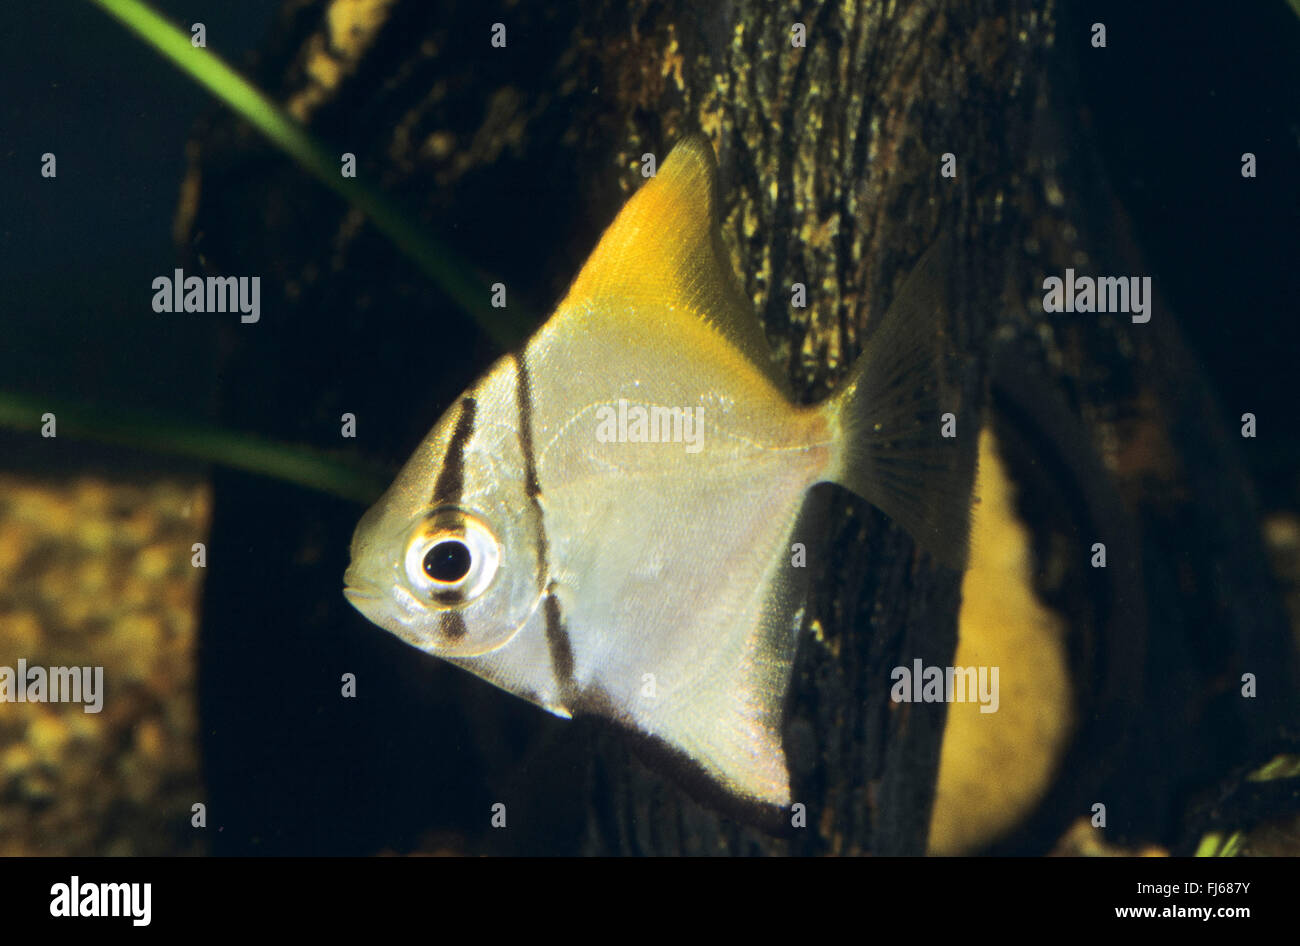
x: 452, y: 625
x: 451, y: 480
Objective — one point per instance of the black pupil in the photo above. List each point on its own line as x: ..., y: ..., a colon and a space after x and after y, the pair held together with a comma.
x: 447, y: 561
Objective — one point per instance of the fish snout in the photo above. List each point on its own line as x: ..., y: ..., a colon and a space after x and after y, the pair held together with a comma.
x: 359, y: 590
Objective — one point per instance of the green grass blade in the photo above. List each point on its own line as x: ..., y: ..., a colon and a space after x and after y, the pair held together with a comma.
x: 1215, y: 845
x: 435, y: 260
x: 304, y: 466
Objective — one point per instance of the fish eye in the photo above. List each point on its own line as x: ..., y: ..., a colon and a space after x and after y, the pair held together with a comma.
x: 451, y: 557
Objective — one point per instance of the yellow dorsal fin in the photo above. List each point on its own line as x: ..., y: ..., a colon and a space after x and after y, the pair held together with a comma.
x: 662, y: 258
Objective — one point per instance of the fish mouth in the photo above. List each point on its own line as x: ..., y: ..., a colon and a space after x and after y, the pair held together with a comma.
x: 356, y: 594
x: 357, y: 590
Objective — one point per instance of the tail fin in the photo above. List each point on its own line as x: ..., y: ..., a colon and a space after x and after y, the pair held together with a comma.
x: 892, y: 451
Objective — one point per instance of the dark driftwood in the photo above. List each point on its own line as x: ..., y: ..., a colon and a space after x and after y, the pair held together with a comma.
x: 829, y: 167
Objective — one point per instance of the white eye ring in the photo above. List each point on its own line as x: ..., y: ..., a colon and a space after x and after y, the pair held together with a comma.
x: 451, y: 557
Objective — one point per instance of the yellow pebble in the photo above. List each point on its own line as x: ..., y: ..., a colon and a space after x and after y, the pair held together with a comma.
x: 92, y: 577
x: 48, y: 512
x: 154, y: 562
x: 149, y: 739
x: 139, y: 629
x: 200, y: 509
x: 16, y: 542
x: 75, y: 611
x: 47, y: 734
x: 83, y: 726
x: 92, y: 495
x: 137, y: 593
x: 17, y: 759
x: 137, y: 638
x: 94, y: 533
x: 52, y: 585
x: 140, y: 527
x: 20, y: 633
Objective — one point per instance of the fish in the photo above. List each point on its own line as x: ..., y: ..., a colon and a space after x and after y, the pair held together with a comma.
x: 612, y: 521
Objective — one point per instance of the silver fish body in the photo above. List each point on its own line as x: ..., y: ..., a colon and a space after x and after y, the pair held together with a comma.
x: 603, y: 524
